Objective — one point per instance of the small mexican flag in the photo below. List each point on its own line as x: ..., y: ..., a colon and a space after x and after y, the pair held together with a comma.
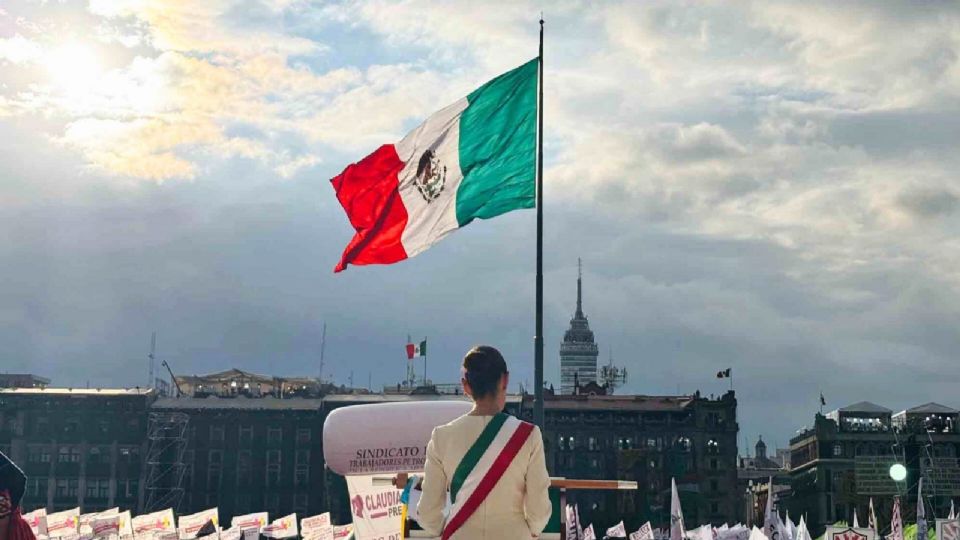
x: 416, y: 350
x: 473, y: 159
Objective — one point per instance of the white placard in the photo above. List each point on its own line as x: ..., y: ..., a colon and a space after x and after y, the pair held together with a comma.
x: 64, y: 523
x: 284, y: 527
x: 376, y: 509
x: 248, y: 522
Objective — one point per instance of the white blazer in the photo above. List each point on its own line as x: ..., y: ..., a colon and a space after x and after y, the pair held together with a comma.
x: 518, y: 508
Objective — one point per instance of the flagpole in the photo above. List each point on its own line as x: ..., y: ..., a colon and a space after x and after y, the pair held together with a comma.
x: 538, y: 337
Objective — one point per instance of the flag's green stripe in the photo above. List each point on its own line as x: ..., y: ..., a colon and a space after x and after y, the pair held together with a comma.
x: 473, y: 455
x: 498, y: 142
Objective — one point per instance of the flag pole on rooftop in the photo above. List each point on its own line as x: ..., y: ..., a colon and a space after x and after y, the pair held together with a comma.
x: 538, y: 337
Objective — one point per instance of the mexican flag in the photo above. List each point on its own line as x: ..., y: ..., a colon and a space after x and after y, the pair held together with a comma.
x: 416, y: 350
x: 473, y: 159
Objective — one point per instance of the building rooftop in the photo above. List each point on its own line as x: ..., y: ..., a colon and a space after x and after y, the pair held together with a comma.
x: 80, y: 391
x: 865, y: 407
x: 618, y: 402
x: 238, y: 403
x: 929, y: 408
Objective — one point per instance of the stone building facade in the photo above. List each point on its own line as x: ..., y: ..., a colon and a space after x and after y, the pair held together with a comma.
x: 843, y: 461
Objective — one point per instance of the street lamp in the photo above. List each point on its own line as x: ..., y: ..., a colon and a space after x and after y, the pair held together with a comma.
x: 898, y: 472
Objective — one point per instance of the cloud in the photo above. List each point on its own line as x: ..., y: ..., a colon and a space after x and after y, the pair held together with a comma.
x: 19, y: 50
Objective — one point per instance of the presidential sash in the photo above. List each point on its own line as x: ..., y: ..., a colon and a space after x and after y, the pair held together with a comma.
x: 482, y: 467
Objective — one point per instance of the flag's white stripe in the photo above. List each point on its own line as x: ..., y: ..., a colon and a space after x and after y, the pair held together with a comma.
x: 429, y: 221
x: 484, y: 463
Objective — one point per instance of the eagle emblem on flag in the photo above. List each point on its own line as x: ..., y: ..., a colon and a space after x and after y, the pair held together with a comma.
x: 431, y: 176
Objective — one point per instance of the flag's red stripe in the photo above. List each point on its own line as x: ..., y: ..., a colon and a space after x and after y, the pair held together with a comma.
x: 489, y: 480
x: 369, y: 193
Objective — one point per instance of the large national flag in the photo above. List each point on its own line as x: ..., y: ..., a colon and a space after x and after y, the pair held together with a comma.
x: 872, y: 519
x: 473, y: 159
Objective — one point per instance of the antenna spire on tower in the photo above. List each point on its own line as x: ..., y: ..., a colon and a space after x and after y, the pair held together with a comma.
x: 579, y: 288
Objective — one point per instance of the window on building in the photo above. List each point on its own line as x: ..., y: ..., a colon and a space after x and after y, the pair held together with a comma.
x: 595, y: 464
x: 129, y: 454
x: 216, y: 433
x: 61, y: 488
x: 68, y: 454
x: 244, y: 502
x: 837, y: 450
x: 246, y: 435
x: 273, y: 475
x: 98, y: 488
x: 714, y: 486
x: 38, y: 454
x: 303, y: 435
x: 274, y: 435
x: 591, y: 443
x: 714, y: 464
x: 215, y: 458
x: 652, y: 464
x: 37, y: 488
x: 683, y: 444
x: 273, y: 457
x: 562, y: 442
x: 244, y: 468
x: 127, y: 488
x: 214, y: 476
x: 300, y: 503
x: 272, y: 502
x: 713, y: 447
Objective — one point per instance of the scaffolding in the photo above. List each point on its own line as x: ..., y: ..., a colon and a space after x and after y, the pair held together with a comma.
x: 167, y: 438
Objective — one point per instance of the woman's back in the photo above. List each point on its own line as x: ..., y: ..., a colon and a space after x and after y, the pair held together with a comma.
x: 517, y: 506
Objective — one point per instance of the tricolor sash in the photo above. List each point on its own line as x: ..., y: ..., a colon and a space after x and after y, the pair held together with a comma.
x: 482, y: 467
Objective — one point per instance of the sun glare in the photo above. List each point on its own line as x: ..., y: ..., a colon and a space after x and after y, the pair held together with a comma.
x: 73, y: 67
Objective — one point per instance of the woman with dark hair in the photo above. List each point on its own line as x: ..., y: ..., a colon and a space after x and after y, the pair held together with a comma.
x: 491, y: 464
x: 12, y: 484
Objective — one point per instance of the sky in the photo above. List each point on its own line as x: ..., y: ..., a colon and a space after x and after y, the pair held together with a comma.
x: 766, y: 186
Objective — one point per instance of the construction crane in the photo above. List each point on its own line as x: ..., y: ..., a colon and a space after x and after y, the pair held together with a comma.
x: 172, y: 378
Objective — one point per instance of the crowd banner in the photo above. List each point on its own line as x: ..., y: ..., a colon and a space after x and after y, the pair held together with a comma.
x: 105, y: 526
x: 317, y: 527
x: 364, y: 439
x: 37, y: 521
x: 849, y: 533
x: 617, y: 531
x: 376, y: 509
x: 343, y: 532
x: 147, y: 524
x: 645, y: 532
x: 247, y: 522
x: 948, y: 529
x: 284, y: 527
x: 233, y: 533
x: 251, y: 534
x: 573, y: 532
x: 63, y: 523
x: 189, y: 526
x: 84, y: 520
